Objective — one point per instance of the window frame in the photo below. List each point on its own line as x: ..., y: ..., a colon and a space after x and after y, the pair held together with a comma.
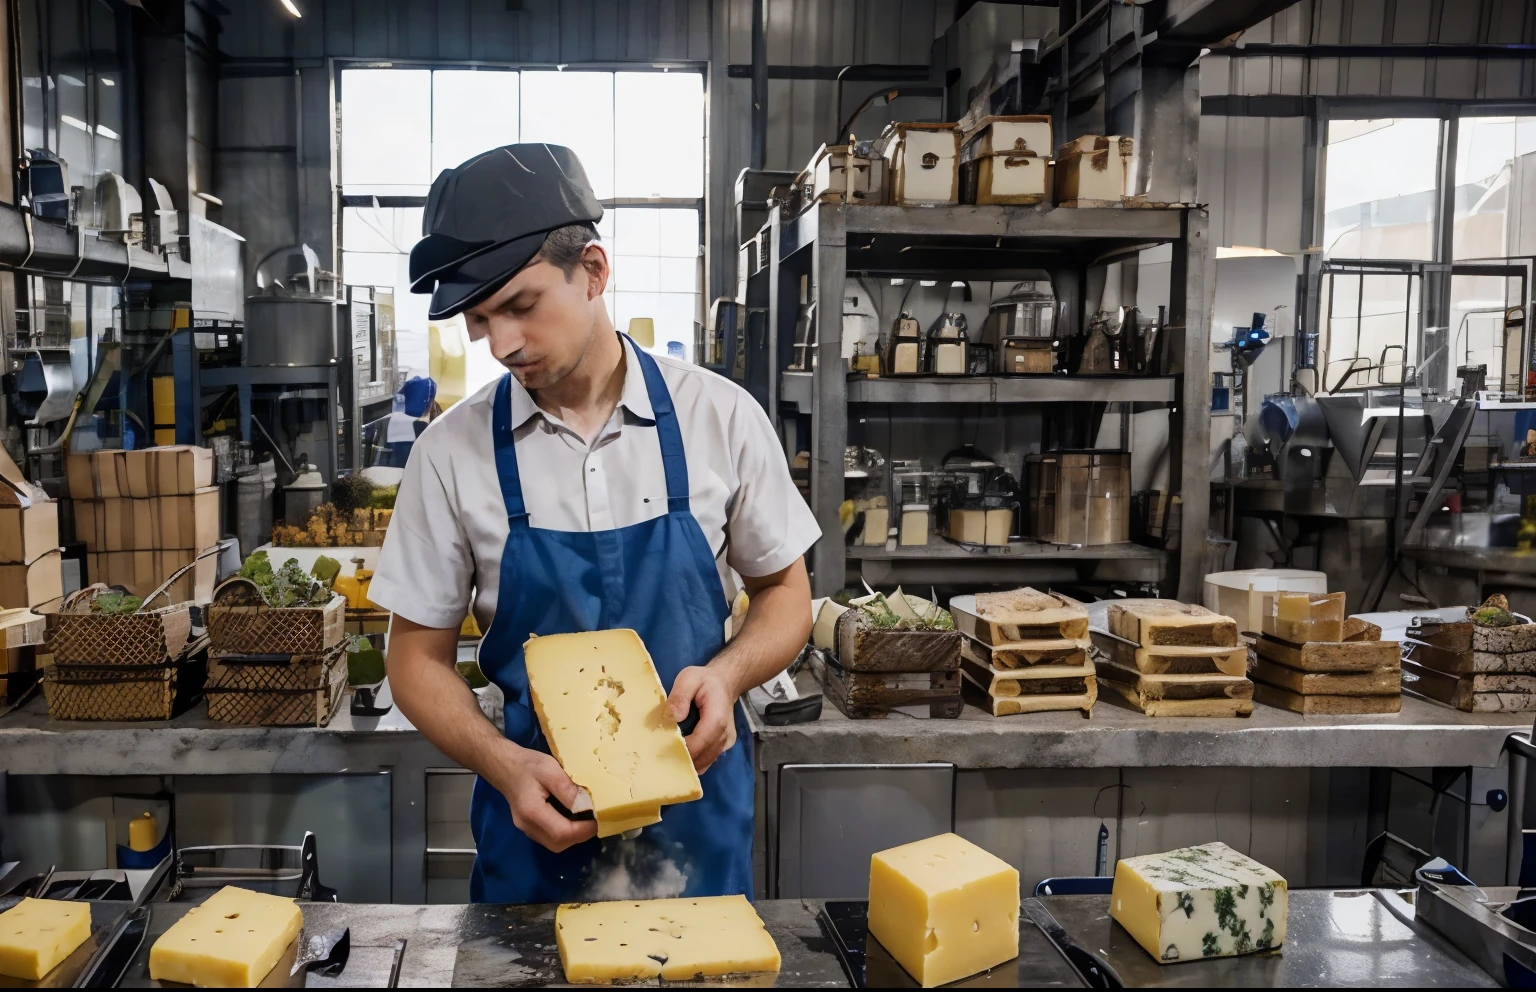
x: 699, y: 203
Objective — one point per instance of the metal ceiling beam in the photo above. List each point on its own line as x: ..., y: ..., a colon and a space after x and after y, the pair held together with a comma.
x: 1204, y: 22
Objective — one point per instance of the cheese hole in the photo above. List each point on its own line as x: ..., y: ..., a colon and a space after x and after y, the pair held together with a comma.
x: 931, y: 944
x: 232, y: 916
x: 218, y: 931
x: 975, y: 926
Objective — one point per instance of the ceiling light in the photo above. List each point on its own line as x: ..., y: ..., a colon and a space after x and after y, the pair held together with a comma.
x: 108, y: 82
x: 71, y: 80
x: 927, y: 282
x: 291, y: 7
x: 106, y: 132
x: 72, y: 122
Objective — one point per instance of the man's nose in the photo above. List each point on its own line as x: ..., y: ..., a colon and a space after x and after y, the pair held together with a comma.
x: 504, y: 338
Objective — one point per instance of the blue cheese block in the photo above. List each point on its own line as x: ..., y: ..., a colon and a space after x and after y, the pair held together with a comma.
x: 1199, y: 902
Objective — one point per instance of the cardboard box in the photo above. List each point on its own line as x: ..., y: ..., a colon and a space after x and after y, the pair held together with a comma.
x: 116, y: 525
x: 39, y: 585
x: 140, y: 466
x: 182, y: 469
x: 104, y: 470
x: 146, y: 572
x: 189, y: 522
x: 80, y: 473
x: 27, y: 532
x: 146, y: 525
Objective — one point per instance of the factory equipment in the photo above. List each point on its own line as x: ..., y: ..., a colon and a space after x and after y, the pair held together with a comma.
x: 904, y: 346
x: 947, y: 342
x: 976, y: 501
x: 1021, y: 327
x: 292, y: 321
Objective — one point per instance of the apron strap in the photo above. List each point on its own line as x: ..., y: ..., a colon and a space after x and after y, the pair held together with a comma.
x: 667, y: 431
x: 506, y: 451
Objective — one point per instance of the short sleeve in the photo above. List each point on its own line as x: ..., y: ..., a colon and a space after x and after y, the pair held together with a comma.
x: 769, y: 524
x: 426, y: 570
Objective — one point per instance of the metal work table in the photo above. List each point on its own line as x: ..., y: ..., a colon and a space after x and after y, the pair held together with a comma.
x: 1422, y: 735
x: 1336, y: 938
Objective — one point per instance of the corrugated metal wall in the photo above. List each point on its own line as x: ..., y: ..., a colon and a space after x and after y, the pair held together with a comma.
x: 1251, y: 168
x: 259, y: 100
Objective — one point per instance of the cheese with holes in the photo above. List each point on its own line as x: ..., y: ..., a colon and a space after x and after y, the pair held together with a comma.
x: 671, y: 939
x: 944, y: 908
x: 604, y: 713
x: 1199, y: 902
x: 230, y: 941
x: 36, y: 934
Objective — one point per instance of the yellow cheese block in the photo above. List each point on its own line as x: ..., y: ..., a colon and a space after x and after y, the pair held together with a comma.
x: 36, y: 934
x: 604, y: 713
x: 230, y: 941
x: 944, y: 908
x: 672, y: 939
x: 609, y: 827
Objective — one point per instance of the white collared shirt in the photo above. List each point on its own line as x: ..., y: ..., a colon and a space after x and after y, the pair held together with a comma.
x: 444, y: 547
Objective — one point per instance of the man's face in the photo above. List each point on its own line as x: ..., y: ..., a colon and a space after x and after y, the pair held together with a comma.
x: 541, y: 322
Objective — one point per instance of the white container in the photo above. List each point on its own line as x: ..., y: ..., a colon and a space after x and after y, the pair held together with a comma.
x: 1241, y: 594
x: 1007, y: 160
x: 924, y: 163
x: 837, y: 174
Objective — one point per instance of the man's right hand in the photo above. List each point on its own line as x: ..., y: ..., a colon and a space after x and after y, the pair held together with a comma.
x: 529, y: 779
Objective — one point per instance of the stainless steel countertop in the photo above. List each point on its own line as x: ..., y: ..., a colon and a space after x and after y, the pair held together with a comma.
x: 1422, y: 735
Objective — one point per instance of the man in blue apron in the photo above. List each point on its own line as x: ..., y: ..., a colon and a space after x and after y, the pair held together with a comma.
x: 592, y: 487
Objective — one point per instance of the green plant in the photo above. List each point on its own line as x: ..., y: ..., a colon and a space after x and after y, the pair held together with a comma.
x: 326, y: 569
x: 257, y: 568
x: 290, y: 585
x: 116, y: 604
x: 383, y: 497
x: 353, y: 492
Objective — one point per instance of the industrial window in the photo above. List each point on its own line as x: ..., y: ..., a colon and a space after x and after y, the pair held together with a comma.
x: 401, y: 126
x: 1495, y: 187
x: 1381, y: 188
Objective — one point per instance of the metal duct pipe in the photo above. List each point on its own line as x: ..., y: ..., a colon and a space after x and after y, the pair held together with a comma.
x: 759, y: 83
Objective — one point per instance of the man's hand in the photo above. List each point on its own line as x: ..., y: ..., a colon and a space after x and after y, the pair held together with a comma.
x: 711, y: 690
x: 528, y: 780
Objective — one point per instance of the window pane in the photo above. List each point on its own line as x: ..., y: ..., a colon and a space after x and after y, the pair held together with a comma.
x: 472, y: 112
x: 386, y: 126
x: 674, y: 314
x: 654, y: 111
x: 70, y: 84
x: 1495, y: 160
x: 1381, y: 188
x: 574, y: 109
x: 388, y: 229
x: 108, y: 112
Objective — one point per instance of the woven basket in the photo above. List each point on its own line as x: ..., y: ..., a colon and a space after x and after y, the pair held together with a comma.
x: 240, y: 622
x: 305, y: 693
x: 146, y: 638
x: 90, y: 692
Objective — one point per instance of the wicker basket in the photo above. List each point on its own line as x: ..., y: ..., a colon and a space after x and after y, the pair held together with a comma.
x: 147, y: 638
x: 240, y: 622
x: 304, y: 692
x: 150, y: 692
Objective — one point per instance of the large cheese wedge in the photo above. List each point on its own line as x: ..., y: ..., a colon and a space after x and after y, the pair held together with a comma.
x: 229, y: 941
x: 1199, y: 902
x: 671, y: 939
x: 36, y: 934
x: 600, y: 702
x: 944, y: 908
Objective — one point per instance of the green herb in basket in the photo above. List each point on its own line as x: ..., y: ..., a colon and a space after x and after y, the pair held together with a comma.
x: 325, y: 569
x: 116, y: 604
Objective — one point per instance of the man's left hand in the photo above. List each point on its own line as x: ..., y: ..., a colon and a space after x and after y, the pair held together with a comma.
x: 712, y: 692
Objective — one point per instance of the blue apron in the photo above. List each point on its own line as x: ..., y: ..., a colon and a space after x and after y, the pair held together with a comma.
x: 659, y: 578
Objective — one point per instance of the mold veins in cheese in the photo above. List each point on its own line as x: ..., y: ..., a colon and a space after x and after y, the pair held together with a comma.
x: 1199, y: 902
x: 603, y: 711
x: 36, y: 934
x: 944, y: 908
x: 671, y: 939
x: 230, y: 941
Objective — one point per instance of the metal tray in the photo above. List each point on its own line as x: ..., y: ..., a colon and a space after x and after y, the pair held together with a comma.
x: 1334, y: 939
x: 869, y: 966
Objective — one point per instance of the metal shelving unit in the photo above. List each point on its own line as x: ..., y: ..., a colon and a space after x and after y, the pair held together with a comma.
x: 829, y: 240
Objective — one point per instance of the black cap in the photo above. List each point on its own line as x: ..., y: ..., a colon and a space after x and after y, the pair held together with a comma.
x: 487, y: 218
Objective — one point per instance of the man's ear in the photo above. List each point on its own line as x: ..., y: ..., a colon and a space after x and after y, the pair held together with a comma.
x: 594, y: 263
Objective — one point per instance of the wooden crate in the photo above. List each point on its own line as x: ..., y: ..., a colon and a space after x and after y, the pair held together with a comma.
x: 863, y: 647
x: 146, y: 692
x: 866, y: 695
x: 239, y: 622
x: 149, y: 637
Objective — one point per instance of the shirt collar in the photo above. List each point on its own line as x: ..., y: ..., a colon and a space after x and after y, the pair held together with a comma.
x: 635, y: 398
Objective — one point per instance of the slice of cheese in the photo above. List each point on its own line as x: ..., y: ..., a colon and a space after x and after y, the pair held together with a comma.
x: 36, y: 934
x: 1199, y: 902
x: 607, y: 826
x: 672, y: 939
x: 604, y: 713
x: 230, y: 941
x: 944, y: 908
